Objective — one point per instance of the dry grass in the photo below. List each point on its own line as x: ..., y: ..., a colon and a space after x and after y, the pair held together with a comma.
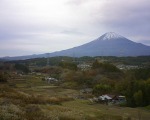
x: 18, y: 105
x: 99, y: 111
x: 42, y: 101
x: 23, y: 98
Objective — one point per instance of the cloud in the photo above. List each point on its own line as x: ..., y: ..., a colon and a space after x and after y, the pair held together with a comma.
x: 35, y: 26
x: 125, y: 16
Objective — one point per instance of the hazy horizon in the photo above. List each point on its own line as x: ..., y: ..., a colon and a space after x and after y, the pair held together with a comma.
x: 34, y: 26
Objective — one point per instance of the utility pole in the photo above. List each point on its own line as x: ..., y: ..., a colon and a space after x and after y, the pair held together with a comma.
x: 73, y: 57
x: 48, y: 59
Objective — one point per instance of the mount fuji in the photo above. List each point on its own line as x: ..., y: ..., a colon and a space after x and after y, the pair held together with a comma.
x: 109, y: 44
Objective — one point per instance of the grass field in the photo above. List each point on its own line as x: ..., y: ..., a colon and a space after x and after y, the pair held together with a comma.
x: 34, y: 99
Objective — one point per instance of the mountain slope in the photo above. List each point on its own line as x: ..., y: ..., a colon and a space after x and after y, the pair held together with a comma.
x: 109, y: 44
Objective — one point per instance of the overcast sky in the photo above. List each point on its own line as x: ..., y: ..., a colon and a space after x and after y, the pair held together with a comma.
x: 40, y: 26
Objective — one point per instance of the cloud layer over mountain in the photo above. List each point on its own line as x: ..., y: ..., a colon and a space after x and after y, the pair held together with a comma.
x: 36, y: 26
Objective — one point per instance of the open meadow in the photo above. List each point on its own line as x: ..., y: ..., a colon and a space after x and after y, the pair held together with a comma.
x: 30, y: 98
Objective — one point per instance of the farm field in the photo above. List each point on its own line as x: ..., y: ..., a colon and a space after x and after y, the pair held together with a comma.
x: 34, y: 99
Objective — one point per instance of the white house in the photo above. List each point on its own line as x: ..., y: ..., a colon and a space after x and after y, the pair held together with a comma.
x: 106, y: 97
x: 111, y: 99
x: 51, y: 80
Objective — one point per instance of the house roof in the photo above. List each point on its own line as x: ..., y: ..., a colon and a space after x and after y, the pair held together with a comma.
x: 121, y: 96
x: 108, y: 97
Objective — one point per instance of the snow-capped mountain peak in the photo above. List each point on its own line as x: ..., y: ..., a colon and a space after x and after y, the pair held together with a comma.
x: 110, y: 35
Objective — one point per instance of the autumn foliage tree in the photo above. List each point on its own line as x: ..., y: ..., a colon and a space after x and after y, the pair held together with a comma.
x: 68, y: 65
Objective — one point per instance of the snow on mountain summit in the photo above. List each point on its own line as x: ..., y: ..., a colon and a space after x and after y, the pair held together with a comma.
x: 110, y: 35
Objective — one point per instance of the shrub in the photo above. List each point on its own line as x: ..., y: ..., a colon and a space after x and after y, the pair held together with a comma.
x: 3, y: 77
x: 33, y: 112
x: 11, y: 112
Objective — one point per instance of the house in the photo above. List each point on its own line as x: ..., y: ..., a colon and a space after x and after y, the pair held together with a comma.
x: 126, y: 67
x: 84, y: 67
x: 50, y: 80
x: 106, y: 98
x: 120, y: 99
x: 114, y: 99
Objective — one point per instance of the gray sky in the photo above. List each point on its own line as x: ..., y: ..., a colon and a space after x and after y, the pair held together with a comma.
x: 39, y: 26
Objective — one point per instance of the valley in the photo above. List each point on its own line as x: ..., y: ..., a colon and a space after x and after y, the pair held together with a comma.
x: 27, y: 93
x: 54, y: 102
x: 74, y: 59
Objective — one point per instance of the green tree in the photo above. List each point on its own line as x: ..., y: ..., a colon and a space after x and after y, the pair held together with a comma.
x: 96, y: 64
x: 138, y: 97
x: 105, y: 67
x: 68, y: 65
x: 101, y: 89
x: 22, y: 67
x: 130, y: 89
x: 3, y: 77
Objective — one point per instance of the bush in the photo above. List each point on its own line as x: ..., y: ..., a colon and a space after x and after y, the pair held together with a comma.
x: 3, y: 77
x: 34, y: 112
x: 11, y: 112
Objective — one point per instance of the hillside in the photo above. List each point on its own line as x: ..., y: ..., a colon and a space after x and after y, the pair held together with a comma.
x: 109, y: 44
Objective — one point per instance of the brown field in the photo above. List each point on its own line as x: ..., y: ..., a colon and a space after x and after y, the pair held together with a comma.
x: 34, y: 99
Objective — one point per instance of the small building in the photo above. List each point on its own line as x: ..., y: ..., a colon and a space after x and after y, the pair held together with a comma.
x: 84, y: 67
x: 121, y: 99
x: 127, y: 67
x: 50, y: 80
x: 114, y: 99
x: 106, y: 98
